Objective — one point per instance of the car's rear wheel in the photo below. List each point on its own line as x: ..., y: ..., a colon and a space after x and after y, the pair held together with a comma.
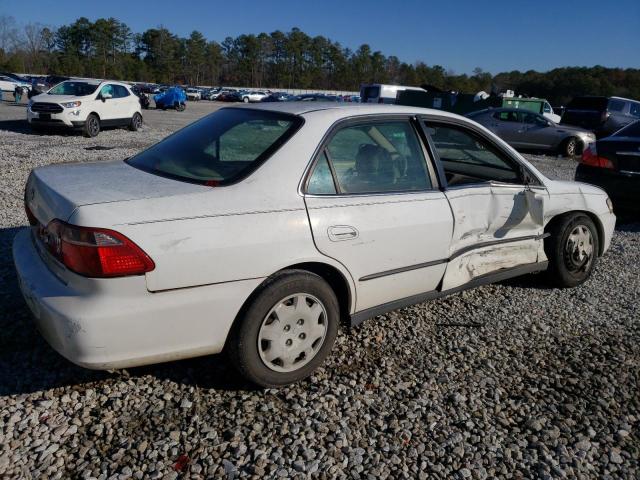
x: 136, y: 122
x: 572, y: 250
x: 570, y: 147
x: 287, y: 330
x: 180, y: 106
x: 245, y: 99
x: 91, y: 126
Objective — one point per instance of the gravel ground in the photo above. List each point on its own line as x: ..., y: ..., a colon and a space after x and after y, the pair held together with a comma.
x: 515, y: 380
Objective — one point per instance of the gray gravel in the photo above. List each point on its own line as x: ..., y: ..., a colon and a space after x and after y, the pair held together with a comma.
x: 515, y: 380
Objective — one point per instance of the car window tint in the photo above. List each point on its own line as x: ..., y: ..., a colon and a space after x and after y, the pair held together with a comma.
x: 220, y: 148
x: 119, y: 91
x: 635, y: 109
x: 321, y: 180
x: 380, y: 157
x: 616, y: 105
x: 506, y: 116
x: 107, y: 90
x: 467, y: 158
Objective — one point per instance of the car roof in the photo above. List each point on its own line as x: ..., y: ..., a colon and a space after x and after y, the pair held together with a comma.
x: 346, y: 109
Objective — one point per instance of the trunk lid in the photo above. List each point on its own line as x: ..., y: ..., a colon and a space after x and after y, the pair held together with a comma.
x: 56, y: 191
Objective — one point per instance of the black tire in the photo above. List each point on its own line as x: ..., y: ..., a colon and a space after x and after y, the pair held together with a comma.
x: 243, y: 345
x: 136, y: 122
x: 91, y: 126
x: 566, y: 269
x: 180, y: 107
x: 570, y: 147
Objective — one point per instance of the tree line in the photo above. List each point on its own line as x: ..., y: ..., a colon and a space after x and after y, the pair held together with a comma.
x: 107, y: 48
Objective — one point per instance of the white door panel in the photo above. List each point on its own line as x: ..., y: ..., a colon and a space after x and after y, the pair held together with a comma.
x: 393, y: 245
x: 508, y: 217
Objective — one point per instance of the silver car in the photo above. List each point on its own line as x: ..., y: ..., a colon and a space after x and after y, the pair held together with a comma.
x: 527, y: 130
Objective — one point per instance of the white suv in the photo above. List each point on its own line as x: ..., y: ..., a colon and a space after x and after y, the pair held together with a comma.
x: 86, y: 105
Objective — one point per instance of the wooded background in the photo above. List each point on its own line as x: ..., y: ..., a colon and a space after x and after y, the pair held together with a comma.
x: 107, y: 48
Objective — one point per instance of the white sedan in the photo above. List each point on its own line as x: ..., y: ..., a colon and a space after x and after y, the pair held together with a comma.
x: 261, y: 229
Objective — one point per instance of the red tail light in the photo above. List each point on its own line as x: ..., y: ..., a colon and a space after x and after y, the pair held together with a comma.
x: 95, y: 252
x: 590, y: 157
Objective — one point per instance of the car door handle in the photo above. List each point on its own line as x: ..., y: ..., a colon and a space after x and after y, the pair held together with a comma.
x: 338, y: 233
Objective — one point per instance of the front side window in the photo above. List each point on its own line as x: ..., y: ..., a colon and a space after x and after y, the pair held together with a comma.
x: 635, y: 109
x: 469, y: 159
x: 78, y: 89
x: 107, y: 90
x: 221, y: 148
x: 533, y: 119
x: 374, y: 158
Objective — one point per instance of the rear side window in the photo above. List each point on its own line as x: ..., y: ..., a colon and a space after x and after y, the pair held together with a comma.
x: 616, y: 105
x: 119, y: 91
x: 221, y: 148
x: 469, y: 159
x: 507, y: 116
x: 372, y: 158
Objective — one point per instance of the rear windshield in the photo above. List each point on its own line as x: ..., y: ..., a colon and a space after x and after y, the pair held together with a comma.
x: 588, y: 103
x: 79, y: 89
x: 221, y: 148
x: 632, y: 130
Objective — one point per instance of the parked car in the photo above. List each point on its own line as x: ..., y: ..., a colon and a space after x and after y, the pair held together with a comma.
x: 86, y: 105
x: 316, y: 97
x: 526, y: 130
x: 8, y: 84
x: 174, y: 98
x: 230, y: 96
x: 193, y: 94
x: 260, y: 229
x: 613, y: 163
x: 254, y: 96
x: 278, y: 97
x: 603, y: 115
x: 44, y: 84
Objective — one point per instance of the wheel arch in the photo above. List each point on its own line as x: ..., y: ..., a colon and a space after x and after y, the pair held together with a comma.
x: 594, y: 218
x: 332, y: 275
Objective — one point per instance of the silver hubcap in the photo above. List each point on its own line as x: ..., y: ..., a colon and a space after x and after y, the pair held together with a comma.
x: 579, y: 248
x: 292, y: 333
x: 571, y: 147
x: 137, y: 121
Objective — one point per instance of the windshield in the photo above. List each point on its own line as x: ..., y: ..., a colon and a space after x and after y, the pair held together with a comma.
x: 221, y: 148
x: 632, y: 130
x: 79, y: 89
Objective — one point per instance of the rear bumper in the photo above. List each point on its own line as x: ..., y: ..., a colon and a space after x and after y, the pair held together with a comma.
x: 623, y: 189
x: 118, y: 323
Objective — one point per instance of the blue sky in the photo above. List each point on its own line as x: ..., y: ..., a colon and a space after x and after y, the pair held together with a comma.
x: 461, y: 35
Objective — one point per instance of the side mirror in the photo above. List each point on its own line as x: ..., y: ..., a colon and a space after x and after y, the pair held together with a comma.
x: 105, y: 96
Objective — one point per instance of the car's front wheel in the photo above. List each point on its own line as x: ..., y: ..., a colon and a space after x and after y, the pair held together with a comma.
x: 572, y: 249
x: 136, y: 122
x: 287, y: 330
x: 570, y: 147
x: 245, y: 99
x: 91, y: 126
